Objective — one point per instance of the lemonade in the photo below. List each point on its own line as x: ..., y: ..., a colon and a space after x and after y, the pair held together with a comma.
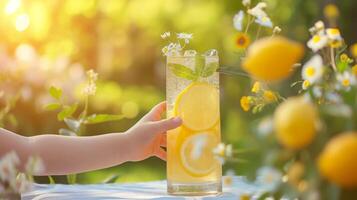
x: 193, y: 94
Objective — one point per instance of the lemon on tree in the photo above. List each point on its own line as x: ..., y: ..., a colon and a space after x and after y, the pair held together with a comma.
x: 272, y: 59
x: 295, y: 123
x: 338, y: 162
x: 198, y: 106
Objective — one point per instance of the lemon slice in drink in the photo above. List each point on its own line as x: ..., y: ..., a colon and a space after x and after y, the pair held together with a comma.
x: 196, y: 153
x: 198, y: 106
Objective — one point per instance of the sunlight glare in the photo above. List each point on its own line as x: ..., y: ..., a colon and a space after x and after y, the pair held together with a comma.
x: 22, y: 22
x: 12, y: 6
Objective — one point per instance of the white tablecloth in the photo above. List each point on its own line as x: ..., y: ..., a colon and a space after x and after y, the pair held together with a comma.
x: 146, y: 190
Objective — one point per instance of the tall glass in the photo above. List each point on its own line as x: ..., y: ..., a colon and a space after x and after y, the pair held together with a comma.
x: 192, y: 93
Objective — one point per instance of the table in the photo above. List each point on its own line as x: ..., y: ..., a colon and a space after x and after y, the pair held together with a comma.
x: 144, y: 190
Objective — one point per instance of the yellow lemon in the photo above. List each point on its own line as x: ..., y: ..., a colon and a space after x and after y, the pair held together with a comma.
x: 198, y: 106
x: 295, y: 123
x: 196, y: 153
x: 338, y: 162
x: 272, y: 59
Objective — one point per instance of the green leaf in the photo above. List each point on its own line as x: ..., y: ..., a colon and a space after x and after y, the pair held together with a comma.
x: 12, y: 119
x: 111, y: 179
x: 52, y: 106
x: 199, y: 65
x: 67, y: 111
x: 210, y: 69
x: 55, y: 92
x: 342, y: 66
x: 72, y: 124
x: 183, y: 71
x: 52, y: 180
x: 66, y: 132
x: 100, y: 118
x: 72, y: 178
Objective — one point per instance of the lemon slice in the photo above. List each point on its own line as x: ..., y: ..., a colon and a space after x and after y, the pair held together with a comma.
x: 196, y: 153
x: 198, y: 106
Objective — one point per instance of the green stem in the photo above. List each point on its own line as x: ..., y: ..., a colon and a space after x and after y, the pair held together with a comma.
x: 333, y: 63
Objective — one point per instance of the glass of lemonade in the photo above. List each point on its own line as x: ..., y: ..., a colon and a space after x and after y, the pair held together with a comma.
x: 192, y: 93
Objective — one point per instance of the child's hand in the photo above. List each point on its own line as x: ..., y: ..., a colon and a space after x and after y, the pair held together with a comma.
x: 148, y: 135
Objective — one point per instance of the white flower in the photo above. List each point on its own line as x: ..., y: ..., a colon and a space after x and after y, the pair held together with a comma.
x: 265, y: 126
x: 269, y: 177
x: 223, y: 151
x: 172, y: 49
x: 317, y: 42
x: 34, y: 165
x: 345, y: 80
x: 185, y: 36
x: 313, y: 69
x: 92, y: 75
x: 333, y: 34
x: 317, y: 91
x: 318, y: 27
x: 228, y: 178
x: 165, y: 35
x: 264, y: 21
x: 246, y: 3
x: 333, y: 97
x: 276, y: 29
x: 238, y: 20
x: 258, y: 11
x: 90, y: 89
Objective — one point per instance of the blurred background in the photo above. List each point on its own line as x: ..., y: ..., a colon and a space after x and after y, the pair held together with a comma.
x: 45, y: 43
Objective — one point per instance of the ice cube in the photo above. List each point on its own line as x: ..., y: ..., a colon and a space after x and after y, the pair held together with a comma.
x: 189, y: 53
x: 211, y: 52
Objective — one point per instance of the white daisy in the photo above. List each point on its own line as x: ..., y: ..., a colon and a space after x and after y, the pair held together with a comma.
x: 258, y: 11
x: 269, y: 177
x: 317, y: 42
x: 276, y: 29
x: 306, y: 84
x: 8, y: 164
x: 185, y: 36
x: 333, y: 34
x: 264, y: 21
x: 238, y: 20
x: 346, y: 80
x: 246, y: 3
x: 313, y: 69
x: 223, y: 151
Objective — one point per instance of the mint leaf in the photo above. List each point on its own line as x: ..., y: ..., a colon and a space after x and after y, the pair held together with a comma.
x: 52, y: 106
x: 183, y: 71
x: 209, y: 69
x: 67, y: 111
x: 101, y: 118
x: 55, y: 92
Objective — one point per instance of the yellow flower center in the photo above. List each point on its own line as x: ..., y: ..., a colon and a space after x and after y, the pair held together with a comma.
x: 310, y: 71
x: 269, y: 96
x: 334, y: 31
x: 242, y: 40
x: 245, y: 103
x: 256, y: 87
x: 346, y: 82
x: 264, y: 19
x: 306, y: 84
x: 344, y: 57
x: 316, y: 39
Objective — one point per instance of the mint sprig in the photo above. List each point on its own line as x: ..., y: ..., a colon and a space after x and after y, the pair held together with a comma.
x: 201, y: 69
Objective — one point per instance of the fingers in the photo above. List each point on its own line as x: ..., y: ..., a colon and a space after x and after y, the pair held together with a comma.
x: 156, y: 111
x: 160, y: 153
x: 166, y: 124
x: 163, y: 141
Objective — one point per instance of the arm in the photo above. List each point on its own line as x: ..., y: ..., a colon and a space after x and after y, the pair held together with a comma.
x: 65, y: 154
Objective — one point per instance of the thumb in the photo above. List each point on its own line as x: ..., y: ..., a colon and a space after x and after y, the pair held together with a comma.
x: 166, y: 124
